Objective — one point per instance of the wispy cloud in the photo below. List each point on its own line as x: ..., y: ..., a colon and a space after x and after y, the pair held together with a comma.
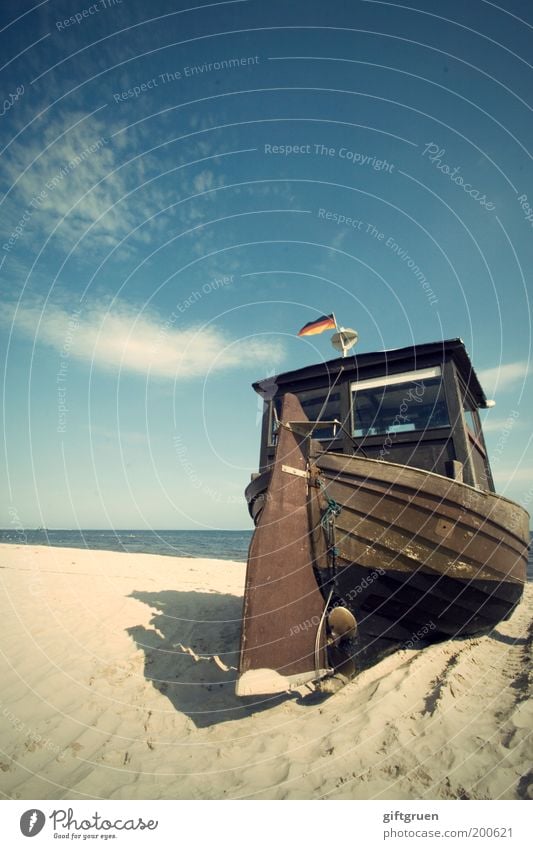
x: 204, y: 181
x: 65, y: 169
x: 504, y: 376
x: 499, y: 425
x: 124, y: 338
x: 74, y: 168
x: 506, y: 476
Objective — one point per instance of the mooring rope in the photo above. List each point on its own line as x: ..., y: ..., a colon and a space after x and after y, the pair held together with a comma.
x: 333, y: 509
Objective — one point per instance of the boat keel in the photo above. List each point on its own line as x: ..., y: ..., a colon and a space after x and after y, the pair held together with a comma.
x: 283, y: 643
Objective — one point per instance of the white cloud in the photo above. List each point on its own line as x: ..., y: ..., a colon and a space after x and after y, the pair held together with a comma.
x: 140, y: 342
x: 499, y: 425
x: 509, y: 475
x: 60, y: 162
x: 69, y: 167
x: 502, y: 377
x: 204, y: 181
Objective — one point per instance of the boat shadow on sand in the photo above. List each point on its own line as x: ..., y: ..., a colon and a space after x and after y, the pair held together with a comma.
x: 187, y: 631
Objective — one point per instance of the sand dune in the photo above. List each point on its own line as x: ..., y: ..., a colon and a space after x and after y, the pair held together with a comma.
x: 110, y: 690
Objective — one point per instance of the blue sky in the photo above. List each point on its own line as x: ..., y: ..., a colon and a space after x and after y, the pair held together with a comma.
x: 184, y: 186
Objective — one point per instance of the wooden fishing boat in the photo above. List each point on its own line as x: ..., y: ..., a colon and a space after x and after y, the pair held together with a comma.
x: 377, y: 523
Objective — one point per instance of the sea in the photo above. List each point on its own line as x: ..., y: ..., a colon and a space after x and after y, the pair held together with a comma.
x: 216, y: 545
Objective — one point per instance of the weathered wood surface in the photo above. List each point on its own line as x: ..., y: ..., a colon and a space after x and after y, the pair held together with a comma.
x: 415, y: 550
x: 282, y: 603
x: 406, y: 519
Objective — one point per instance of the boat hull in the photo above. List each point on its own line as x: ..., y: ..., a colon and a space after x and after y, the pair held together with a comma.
x: 278, y: 651
x: 438, y: 548
x: 416, y: 556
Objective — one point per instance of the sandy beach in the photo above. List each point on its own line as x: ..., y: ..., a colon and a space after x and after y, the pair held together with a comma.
x: 117, y: 683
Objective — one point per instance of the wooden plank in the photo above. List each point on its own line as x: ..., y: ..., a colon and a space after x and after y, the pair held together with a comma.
x: 443, y: 493
x: 424, y: 535
x: 283, y: 605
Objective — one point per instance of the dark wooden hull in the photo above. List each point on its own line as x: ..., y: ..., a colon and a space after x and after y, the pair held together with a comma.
x: 433, y: 550
x: 278, y: 650
x: 418, y: 555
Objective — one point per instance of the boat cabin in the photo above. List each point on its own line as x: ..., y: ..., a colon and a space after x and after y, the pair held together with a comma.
x: 416, y: 406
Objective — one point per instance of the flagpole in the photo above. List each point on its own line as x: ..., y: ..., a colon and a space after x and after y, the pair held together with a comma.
x: 344, y: 350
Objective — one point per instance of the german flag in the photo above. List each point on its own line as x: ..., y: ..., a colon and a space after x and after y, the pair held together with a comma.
x: 325, y: 322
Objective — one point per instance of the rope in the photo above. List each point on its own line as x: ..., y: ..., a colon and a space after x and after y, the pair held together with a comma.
x: 332, y: 510
x: 327, y: 521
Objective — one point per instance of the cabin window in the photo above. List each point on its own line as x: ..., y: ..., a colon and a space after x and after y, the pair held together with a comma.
x: 475, y: 448
x: 472, y: 423
x: 399, y: 403
x: 317, y: 405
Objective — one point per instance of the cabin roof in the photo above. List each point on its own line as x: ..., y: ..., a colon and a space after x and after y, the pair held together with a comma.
x: 376, y: 363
